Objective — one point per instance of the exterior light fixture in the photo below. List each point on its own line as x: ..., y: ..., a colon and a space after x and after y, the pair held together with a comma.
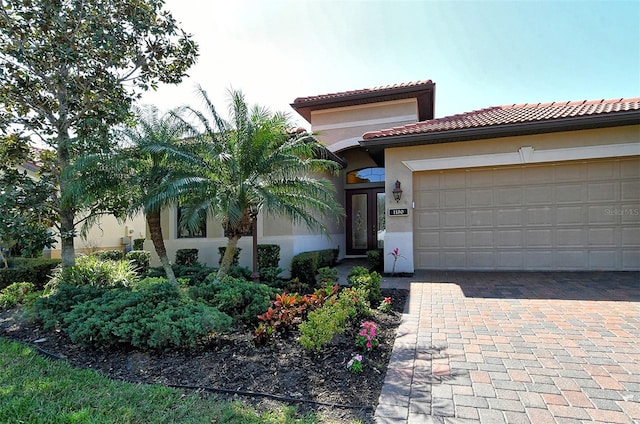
x: 397, y: 192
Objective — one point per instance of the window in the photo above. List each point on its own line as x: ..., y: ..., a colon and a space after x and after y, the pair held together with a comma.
x: 200, y: 232
x: 366, y: 175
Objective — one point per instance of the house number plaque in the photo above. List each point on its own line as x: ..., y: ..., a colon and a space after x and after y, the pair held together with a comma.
x: 398, y: 212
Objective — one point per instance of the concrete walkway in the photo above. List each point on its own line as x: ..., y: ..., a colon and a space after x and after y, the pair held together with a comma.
x: 515, y: 348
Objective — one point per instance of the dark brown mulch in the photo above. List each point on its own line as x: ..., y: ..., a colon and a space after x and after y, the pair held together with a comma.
x: 232, y: 362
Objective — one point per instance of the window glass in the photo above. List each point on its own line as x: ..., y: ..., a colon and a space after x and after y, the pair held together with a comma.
x: 366, y: 175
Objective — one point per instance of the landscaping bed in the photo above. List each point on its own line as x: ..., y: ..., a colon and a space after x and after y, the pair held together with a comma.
x: 232, y: 362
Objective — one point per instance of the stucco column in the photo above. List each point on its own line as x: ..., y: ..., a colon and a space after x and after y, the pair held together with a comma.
x: 399, y: 226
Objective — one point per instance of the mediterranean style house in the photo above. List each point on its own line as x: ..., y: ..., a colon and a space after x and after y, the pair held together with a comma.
x: 546, y: 186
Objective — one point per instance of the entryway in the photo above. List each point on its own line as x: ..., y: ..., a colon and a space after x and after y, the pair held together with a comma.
x: 365, y: 220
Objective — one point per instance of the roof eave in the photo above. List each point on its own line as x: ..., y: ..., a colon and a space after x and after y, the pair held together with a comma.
x: 496, y: 131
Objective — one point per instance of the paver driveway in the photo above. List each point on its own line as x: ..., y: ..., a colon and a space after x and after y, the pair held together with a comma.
x: 516, y: 348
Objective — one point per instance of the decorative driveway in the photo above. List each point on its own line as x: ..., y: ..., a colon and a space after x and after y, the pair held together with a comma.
x: 516, y: 348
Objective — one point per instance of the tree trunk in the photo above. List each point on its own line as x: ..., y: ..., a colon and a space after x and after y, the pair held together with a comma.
x: 155, y: 232
x: 67, y: 233
x: 227, y: 259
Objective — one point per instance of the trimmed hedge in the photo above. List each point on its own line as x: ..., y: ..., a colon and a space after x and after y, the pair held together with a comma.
x: 140, y: 260
x: 268, y: 256
x: 32, y: 270
x: 304, y: 266
x: 109, y: 255
x: 187, y: 257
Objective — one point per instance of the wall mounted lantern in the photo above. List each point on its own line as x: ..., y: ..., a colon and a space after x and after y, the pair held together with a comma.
x: 397, y: 192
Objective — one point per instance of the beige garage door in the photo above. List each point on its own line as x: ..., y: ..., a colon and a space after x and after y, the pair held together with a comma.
x: 582, y: 215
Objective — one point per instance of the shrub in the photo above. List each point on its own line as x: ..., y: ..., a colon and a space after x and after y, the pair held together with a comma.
x: 140, y: 260
x: 236, y: 255
x: 154, y: 317
x: 51, y: 309
x: 323, y: 324
x: 109, y: 255
x: 327, y: 275
x: 194, y: 274
x: 304, y: 266
x: 270, y: 276
x: 268, y: 256
x: 237, y: 271
x: 32, y: 270
x: 359, y: 277
x: 187, y: 257
x: 138, y: 244
x: 92, y: 271
x: 375, y: 258
x: 14, y: 294
x: 237, y: 297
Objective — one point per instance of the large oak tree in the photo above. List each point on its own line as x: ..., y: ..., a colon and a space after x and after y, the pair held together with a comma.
x: 70, y: 70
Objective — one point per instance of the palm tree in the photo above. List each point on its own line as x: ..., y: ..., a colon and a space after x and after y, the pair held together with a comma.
x: 254, y: 162
x: 158, y: 167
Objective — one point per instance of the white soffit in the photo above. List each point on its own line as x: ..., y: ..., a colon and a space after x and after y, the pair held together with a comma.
x: 525, y: 155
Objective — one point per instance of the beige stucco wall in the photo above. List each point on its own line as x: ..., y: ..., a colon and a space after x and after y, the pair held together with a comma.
x: 334, y: 126
x: 400, y: 228
x: 106, y: 234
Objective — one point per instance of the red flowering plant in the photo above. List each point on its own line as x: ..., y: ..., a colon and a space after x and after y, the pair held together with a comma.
x: 396, y: 254
x: 367, y: 338
x: 385, y: 305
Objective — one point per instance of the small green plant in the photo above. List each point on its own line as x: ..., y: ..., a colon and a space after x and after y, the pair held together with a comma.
x: 367, y: 338
x: 355, y: 364
x: 359, y: 277
x: 138, y: 244
x: 140, y: 260
x: 375, y: 258
x: 91, y: 271
x: 323, y: 324
x: 327, y: 275
x: 14, y: 294
x: 187, y: 257
x: 109, y: 255
x: 385, y: 305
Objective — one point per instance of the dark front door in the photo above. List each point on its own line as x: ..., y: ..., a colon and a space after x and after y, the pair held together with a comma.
x: 365, y: 220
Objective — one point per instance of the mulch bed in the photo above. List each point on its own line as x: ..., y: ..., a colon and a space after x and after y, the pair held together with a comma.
x: 233, y: 363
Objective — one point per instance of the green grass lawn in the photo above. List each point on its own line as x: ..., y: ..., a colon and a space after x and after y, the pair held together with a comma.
x: 34, y: 389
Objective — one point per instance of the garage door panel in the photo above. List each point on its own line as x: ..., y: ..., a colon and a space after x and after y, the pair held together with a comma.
x: 570, y: 237
x: 603, y: 192
x: 570, y: 193
x: 564, y: 216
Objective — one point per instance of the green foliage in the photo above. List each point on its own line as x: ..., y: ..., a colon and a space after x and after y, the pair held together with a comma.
x: 323, y: 324
x: 52, y: 309
x: 33, y: 270
x: 268, y: 256
x: 287, y: 310
x: 359, y: 277
x: 194, y: 274
x: 237, y: 271
x: 375, y: 258
x: 140, y: 260
x: 91, y: 271
x: 237, y: 297
x: 236, y: 255
x: 327, y: 275
x: 153, y: 317
x: 270, y: 276
x: 14, y: 294
x: 109, y: 255
x: 138, y: 244
x: 187, y: 257
x: 71, y: 71
x: 304, y: 266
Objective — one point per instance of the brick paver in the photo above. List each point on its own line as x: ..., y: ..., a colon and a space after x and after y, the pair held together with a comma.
x: 516, y: 348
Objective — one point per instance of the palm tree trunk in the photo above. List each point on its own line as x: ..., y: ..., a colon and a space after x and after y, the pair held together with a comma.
x: 227, y: 259
x: 155, y: 232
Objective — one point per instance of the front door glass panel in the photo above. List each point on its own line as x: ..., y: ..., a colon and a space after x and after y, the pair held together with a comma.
x: 359, y: 221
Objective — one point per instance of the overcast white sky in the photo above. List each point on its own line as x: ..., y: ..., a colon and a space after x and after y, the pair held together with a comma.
x: 479, y: 53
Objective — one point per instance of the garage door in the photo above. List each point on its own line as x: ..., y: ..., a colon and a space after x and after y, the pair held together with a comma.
x: 562, y: 216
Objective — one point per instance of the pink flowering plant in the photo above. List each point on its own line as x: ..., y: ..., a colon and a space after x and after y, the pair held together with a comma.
x: 355, y: 364
x: 385, y: 305
x: 396, y: 254
x: 367, y: 338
